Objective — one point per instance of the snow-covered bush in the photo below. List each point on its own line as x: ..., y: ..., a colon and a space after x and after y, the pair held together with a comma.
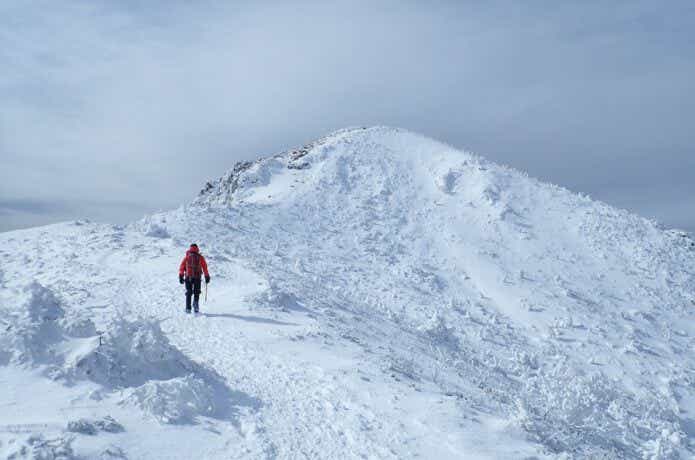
x: 154, y: 226
x: 82, y: 426
x: 176, y: 401
x: 590, y: 416
x: 156, y: 230
x: 92, y: 427
x: 403, y: 367
x: 277, y: 298
x: 112, y: 453
x: 78, y: 325
x: 447, y: 182
x: 39, y: 447
x: 43, y: 304
x: 35, y: 329
x: 131, y: 353
x: 439, y: 333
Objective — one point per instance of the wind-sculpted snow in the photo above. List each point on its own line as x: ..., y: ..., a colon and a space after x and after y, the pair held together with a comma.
x: 374, y: 294
x: 127, y: 354
x: 133, y: 362
x: 38, y: 326
x: 130, y: 355
x: 160, y: 379
x: 178, y: 400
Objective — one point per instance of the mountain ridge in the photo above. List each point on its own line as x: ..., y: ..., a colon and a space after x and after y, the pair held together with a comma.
x: 390, y: 296
x: 292, y: 156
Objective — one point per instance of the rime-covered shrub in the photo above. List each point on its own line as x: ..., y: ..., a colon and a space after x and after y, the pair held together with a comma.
x: 130, y: 354
x: 174, y: 401
x: 591, y: 416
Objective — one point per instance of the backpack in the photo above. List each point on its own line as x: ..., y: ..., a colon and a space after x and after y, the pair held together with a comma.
x: 193, y: 267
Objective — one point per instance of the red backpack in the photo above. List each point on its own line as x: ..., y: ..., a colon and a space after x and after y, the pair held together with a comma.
x: 193, y: 268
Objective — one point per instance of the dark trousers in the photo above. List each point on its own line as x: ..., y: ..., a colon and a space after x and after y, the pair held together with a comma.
x: 192, y: 289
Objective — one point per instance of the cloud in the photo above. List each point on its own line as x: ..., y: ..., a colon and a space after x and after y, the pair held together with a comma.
x: 139, y: 103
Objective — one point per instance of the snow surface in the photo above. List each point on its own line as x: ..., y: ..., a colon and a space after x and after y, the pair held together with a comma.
x: 375, y: 294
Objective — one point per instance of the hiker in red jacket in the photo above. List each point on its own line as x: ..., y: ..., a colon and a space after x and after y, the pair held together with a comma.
x: 192, y: 267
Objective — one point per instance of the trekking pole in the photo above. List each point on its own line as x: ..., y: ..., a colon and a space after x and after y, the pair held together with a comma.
x: 206, y: 292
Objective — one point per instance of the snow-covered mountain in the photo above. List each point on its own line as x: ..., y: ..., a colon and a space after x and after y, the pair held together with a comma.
x: 375, y: 294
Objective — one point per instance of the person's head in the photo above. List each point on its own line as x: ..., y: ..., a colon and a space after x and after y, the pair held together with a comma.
x: 193, y: 248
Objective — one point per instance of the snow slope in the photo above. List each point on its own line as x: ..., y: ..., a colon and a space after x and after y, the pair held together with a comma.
x: 375, y: 294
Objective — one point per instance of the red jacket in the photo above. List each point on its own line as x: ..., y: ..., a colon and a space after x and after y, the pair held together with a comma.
x: 184, y: 263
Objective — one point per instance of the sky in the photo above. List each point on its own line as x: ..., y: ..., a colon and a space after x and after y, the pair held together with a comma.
x: 110, y: 110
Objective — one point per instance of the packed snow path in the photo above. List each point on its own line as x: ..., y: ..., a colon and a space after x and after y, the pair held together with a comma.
x: 375, y: 295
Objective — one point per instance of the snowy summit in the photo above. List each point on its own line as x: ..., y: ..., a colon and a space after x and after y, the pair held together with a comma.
x: 374, y: 294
